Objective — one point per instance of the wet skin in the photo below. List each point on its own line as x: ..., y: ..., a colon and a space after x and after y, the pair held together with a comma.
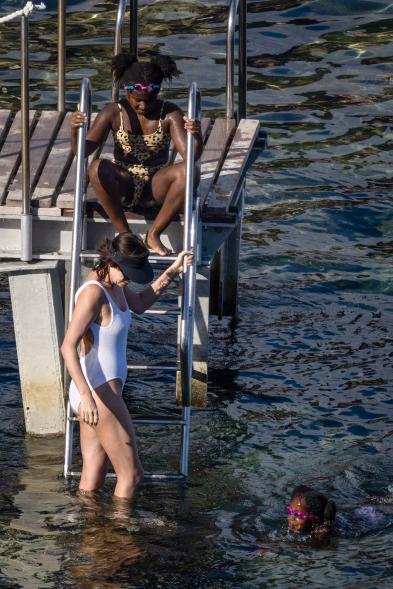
x: 112, y: 183
x: 297, y: 524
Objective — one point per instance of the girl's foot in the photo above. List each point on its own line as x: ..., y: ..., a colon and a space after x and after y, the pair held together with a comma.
x: 154, y: 244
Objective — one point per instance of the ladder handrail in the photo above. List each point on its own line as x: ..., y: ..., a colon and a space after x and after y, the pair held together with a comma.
x: 61, y: 54
x: 120, y: 17
x: 121, y: 11
x: 134, y: 28
x: 84, y: 106
x: 189, y: 242
x: 77, y: 228
x: 236, y: 7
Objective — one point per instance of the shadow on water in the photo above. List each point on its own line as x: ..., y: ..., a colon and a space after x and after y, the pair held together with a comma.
x: 300, y: 384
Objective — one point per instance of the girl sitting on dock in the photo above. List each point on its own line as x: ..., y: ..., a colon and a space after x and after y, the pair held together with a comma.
x: 143, y: 127
x: 100, y: 322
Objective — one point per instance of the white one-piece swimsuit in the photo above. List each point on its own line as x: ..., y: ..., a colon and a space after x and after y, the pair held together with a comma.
x: 106, y: 360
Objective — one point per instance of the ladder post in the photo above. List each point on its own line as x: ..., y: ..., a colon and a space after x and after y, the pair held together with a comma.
x: 77, y: 230
x: 121, y: 9
x: 188, y: 282
x: 242, y: 62
x: 68, y: 442
x: 77, y: 237
x: 61, y: 55
x: 26, y: 219
x: 134, y: 28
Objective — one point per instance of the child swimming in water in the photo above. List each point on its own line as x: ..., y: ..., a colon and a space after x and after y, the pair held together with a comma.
x: 310, y: 512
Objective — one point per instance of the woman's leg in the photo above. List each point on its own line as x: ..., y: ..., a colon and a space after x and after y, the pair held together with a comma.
x: 168, y: 189
x: 94, y: 458
x: 115, y: 433
x: 112, y: 184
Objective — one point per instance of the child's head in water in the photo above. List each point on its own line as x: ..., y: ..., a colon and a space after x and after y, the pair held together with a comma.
x: 310, y: 511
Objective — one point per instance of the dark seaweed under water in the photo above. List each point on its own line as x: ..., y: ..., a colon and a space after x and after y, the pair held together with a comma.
x: 300, y: 386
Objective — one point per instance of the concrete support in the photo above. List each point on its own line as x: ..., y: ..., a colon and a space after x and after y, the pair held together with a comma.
x: 229, y: 274
x: 201, y: 341
x: 225, y: 273
x: 39, y: 330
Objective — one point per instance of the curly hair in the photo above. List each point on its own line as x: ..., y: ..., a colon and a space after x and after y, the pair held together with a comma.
x: 126, y: 68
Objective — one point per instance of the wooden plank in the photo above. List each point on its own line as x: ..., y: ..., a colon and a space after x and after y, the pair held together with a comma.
x: 5, y: 116
x: 65, y: 198
x: 40, y: 144
x: 213, y: 154
x: 55, y: 167
x: 10, y: 155
x: 220, y: 195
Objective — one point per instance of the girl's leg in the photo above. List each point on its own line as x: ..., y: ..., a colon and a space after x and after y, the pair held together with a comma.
x: 168, y: 188
x: 94, y: 457
x: 112, y: 184
x: 115, y: 433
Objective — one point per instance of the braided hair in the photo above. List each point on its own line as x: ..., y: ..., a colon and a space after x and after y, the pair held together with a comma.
x: 126, y: 68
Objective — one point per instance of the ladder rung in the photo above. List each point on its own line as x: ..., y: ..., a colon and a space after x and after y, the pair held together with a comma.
x: 162, y: 312
x: 156, y: 260
x: 167, y: 367
x: 159, y: 421
x: 151, y: 476
x: 89, y: 254
x: 156, y: 420
x: 161, y: 259
x: 147, y: 476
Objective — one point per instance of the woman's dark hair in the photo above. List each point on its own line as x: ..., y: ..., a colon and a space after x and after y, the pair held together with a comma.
x: 316, y: 503
x: 126, y: 243
x: 126, y: 68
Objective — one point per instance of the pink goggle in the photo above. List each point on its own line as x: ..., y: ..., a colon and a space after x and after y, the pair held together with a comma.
x: 301, y: 514
x: 138, y: 87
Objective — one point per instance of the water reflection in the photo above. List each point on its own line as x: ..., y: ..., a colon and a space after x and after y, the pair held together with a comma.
x: 105, y: 542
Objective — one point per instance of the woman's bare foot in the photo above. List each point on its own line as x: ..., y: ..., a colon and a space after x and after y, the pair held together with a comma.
x: 153, y: 242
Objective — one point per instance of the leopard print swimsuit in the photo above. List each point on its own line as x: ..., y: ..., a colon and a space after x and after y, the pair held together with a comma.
x: 133, y: 151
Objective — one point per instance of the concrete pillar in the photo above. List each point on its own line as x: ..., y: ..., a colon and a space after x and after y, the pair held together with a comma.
x: 201, y: 341
x: 39, y: 329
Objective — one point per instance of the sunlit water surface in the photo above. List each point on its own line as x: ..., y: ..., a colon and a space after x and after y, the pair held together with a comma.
x: 299, y: 386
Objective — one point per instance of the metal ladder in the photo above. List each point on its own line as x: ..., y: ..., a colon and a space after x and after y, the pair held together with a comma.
x: 185, y: 335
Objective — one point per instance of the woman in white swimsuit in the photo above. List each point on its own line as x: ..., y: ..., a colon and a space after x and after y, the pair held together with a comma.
x: 100, y: 323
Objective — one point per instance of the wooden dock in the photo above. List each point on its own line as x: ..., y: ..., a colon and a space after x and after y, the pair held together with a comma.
x: 226, y: 153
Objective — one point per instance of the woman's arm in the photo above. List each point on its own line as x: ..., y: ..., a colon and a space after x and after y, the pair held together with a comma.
x: 97, y: 132
x: 86, y: 311
x: 139, y: 302
x: 179, y: 125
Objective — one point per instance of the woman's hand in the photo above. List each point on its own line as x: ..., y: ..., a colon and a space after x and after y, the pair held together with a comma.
x: 78, y: 119
x: 177, y: 266
x: 87, y: 409
x: 192, y: 125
